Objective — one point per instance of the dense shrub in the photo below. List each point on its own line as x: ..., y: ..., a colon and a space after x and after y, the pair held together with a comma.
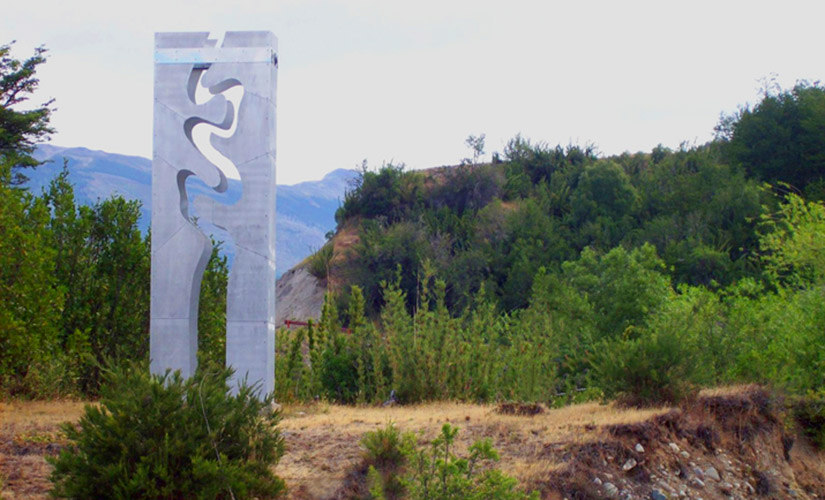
x: 810, y: 414
x: 648, y: 370
x: 165, y: 437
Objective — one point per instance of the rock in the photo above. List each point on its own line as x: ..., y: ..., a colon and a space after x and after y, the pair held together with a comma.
x: 698, y: 472
x: 712, y: 473
x: 750, y: 489
x: 696, y: 482
x: 611, y: 489
x: 726, y: 489
x: 597, y: 481
x: 684, y: 454
x: 674, y: 447
x: 639, y: 448
x: 657, y: 495
x: 629, y: 464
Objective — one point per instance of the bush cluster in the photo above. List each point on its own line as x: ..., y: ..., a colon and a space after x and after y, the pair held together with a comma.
x: 165, y: 437
x: 435, y: 471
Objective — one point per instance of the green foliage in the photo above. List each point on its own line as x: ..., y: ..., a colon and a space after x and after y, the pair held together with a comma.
x: 623, y: 287
x: 476, y: 145
x: 165, y: 437
x: 793, y: 244
x: 102, y: 269
x: 384, y: 446
x: 782, y: 138
x: 438, y: 473
x: 669, y: 358
x: 809, y: 412
x: 604, y: 190
x: 319, y: 262
x: 212, y: 311
x: 20, y: 130
x: 30, y: 301
x: 390, y: 193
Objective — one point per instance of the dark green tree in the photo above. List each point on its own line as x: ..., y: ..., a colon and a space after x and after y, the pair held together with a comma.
x: 780, y: 139
x: 20, y: 130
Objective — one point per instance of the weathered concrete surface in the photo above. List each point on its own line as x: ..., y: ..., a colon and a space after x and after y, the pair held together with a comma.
x: 214, y: 118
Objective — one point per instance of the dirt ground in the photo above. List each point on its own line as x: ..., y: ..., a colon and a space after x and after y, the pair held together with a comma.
x: 581, y: 451
x: 323, y: 441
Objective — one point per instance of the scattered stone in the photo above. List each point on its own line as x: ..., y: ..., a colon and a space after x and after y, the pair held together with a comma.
x: 629, y: 464
x: 696, y: 483
x: 657, y: 495
x: 639, y: 448
x: 726, y: 488
x: 750, y: 489
x: 698, y: 472
x: 712, y: 473
x: 611, y: 489
x: 674, y: 447
x: 685, y: 454
x: 597, y: 481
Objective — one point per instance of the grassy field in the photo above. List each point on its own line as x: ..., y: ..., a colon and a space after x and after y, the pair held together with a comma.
x: 323, y: 440
x: 572, y: 452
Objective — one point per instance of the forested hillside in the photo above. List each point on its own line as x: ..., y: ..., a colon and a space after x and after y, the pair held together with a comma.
x: 555, y: 273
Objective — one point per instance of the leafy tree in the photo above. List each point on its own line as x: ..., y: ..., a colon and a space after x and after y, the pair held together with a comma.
x: 476, y: 145
x: 623, y: 287
x: 603, y: 190
x: 793, y: 242
x: 782, y: 138
x: 30, y: 301
x: 20, y: 130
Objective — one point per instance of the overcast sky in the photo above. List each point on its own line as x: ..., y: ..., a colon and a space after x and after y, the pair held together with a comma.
x: 409, y: 81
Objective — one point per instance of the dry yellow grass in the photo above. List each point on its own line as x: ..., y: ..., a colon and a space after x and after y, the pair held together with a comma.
x: 323, y: 441
x: 28, y: 431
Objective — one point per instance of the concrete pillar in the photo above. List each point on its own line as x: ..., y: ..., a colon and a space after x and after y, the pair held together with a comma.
x: 214, y: 118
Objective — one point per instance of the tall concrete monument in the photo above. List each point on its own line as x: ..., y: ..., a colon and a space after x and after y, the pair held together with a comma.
x: 214, y: 119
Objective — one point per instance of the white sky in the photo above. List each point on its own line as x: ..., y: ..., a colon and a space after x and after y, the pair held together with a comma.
x: 408, y: 81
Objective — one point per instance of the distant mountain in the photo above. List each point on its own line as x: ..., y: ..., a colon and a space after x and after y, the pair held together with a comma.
x: 306, y: 211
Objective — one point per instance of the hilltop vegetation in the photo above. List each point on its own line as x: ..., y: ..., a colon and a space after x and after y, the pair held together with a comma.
x: 554, y: 273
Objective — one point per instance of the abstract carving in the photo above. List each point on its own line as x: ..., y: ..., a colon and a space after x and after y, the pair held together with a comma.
x: 214, y: 119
